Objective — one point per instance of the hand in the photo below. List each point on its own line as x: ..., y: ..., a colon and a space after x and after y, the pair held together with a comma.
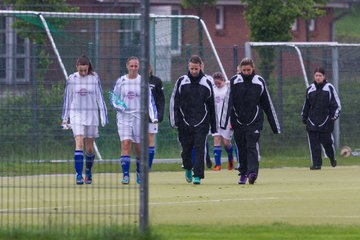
x: 64, y: 125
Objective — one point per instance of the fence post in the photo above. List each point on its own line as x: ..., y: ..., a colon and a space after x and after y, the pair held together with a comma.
x: 235, y: 57
x: 335, y: 69
x: 35, y: 97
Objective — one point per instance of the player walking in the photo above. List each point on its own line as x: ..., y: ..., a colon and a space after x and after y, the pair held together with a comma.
x: 157, y: 91
x: 245, y: 105
x: 222, y: 135
x: 321, y: 109
x: 192, y: 111
x: 83, y: 100
x: 126, y: 100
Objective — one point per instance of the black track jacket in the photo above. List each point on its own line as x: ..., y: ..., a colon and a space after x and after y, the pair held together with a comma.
x: 157, y: 91
x: 321, y: 107
x: 245, y: 103
x: 192, y: 103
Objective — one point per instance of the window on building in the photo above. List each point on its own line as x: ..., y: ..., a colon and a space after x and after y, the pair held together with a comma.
x: 311, y: 25
x: 219, y: 18
x: 294, y: 26
x: 14, y: 54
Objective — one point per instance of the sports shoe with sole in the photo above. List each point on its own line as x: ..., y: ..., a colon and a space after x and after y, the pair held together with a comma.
x: 125, y: 180
x: 138, y: 181
x: 217, y: 168
x: 188, y: 176
x: 230, y: 165
x: 242, y: 179
x: 88, y: 177
x: 79, y: 179
x: 315, y: 167
x: 333, y: 163
x: 196, y: 180
x: 252, y: 177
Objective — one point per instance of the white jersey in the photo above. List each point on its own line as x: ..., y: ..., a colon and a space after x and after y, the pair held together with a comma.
x: 83, y: 99
x: 219, y: 95
x: 129, y: 91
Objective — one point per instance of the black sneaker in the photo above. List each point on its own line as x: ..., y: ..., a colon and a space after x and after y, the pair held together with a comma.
x: 315, y: 167
x: 333, y: 163
x: 252, y: 177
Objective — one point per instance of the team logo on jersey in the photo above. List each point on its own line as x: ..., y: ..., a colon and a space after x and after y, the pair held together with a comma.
x: 131, y: 95
x: 83, y: 92
x: 217, y: 99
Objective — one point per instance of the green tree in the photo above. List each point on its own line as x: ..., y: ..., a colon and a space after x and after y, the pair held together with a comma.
x: 198, y: 5
x: 271, y: 20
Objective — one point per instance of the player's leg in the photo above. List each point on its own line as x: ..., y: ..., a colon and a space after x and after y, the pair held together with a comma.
x: 186, y: 139
x: 315, y: 150
x: 217, y: 152
x: 78, y: 131
x: 240, y: 140
x: 153, y: 129
x: 207, y: 154
x: 91, y: 132
x: 252, y: 142
x: 124, y: 124
x: 200, y: 139
x: 226, y: 136
x: 137, y: 159
x: 327, y: 140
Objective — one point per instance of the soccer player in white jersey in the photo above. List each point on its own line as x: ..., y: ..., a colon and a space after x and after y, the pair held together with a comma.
x: 222, y: 135
x: 83, y: 100
x: 128, y: 88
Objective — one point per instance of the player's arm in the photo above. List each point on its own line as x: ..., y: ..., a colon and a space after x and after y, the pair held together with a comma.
x: 335, y: 105
x: 212, y: 110
x: 153, y: 114
x: 269, y: 109
x: 160, y: 100
x: 306, y: 108
x: 227, y: 106
x: 174, y: 106
x: 66, y: 105
x: 101, y: 103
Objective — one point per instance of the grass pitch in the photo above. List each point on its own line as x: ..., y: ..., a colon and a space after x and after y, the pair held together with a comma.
x: 295, y: 196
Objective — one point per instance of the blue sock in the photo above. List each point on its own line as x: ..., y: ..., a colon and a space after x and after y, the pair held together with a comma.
x: 193, y: 156
x: 230, y: 153
x: 151, y: 155
x: 125, y: 164
x: 89, y: 161
x: 137, y: 165
x: 79, y: 161
x: 217, y: 155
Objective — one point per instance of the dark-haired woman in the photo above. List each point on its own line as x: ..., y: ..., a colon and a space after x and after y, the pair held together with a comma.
x: 321, y: 108
x: 83, y: 100
x: 245, y: 105
x: 192, y: 112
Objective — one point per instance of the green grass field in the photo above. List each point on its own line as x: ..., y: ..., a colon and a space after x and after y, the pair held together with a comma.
x: 296, y: 202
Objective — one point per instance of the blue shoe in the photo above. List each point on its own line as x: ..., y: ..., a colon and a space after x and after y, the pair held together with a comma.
x: 196, y: 180
x: 188, y: 176
x: 88, y: 177
x: 252, y: 177
x: 79, y: 179
x: 242, y: 179
x: 125, y: 180
x: 138, y: 180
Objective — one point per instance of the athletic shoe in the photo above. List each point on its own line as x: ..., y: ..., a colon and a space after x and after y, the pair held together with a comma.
x: 79, y: 179
x: 208, y: 163
x: 217, y: 168
x: 188, y: 175
x: 230, y: 165
x: 138, y: 178
x: 315, y: 167
x: 196, y: 180
x: 252, y: 177
x: 88, y: 177
x: 333, y: 163
x: 125, y: 180
x: 242, y: 179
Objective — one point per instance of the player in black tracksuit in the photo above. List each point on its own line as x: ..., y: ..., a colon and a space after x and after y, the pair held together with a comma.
x: 157, y: 91
x: 321, y: 108
x: 192, y: 111
x: 244, y: 104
